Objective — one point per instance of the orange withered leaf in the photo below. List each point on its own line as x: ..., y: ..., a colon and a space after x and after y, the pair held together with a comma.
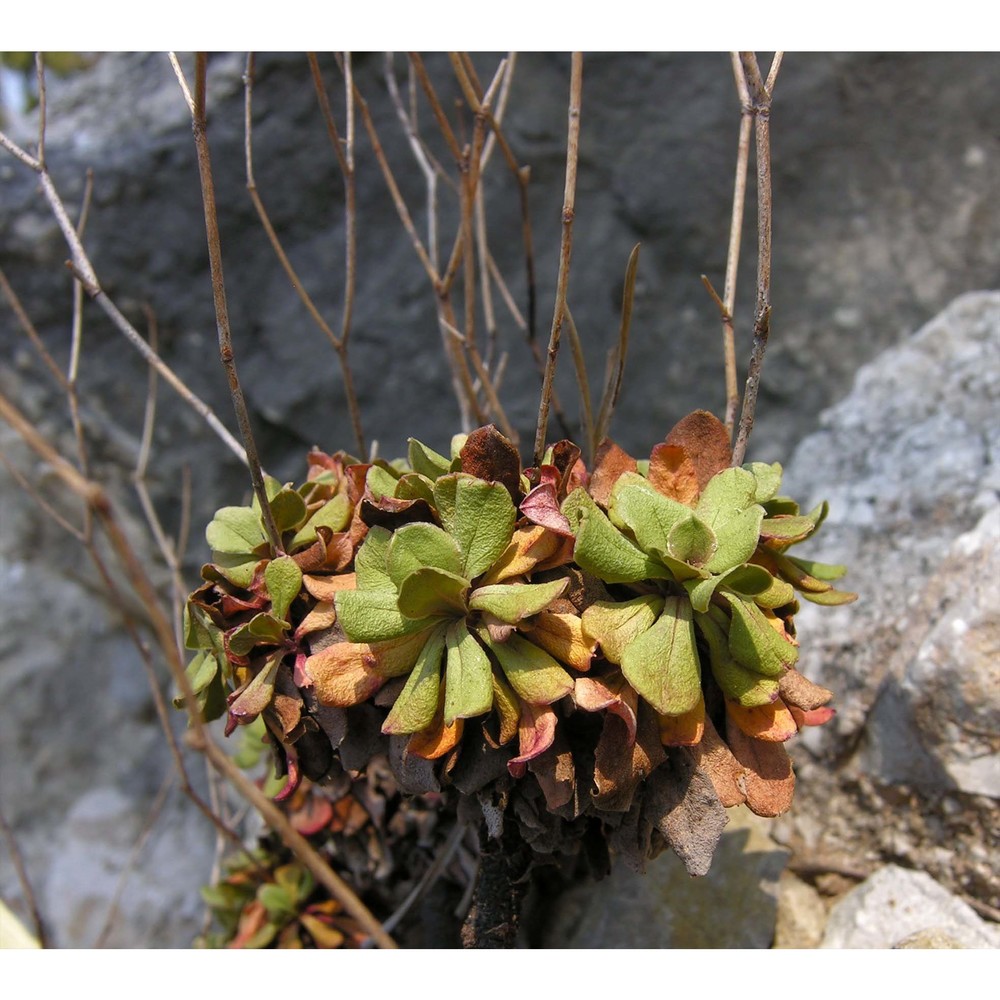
x: 684, y: 730
x: 773, y: 723
x: 673, y: 474
x: 706, y: 441
x: 723, y: 769
x: 610, y: 463
x: 767, y: 777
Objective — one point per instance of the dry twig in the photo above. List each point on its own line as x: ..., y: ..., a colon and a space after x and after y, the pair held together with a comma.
x: 22, y: 877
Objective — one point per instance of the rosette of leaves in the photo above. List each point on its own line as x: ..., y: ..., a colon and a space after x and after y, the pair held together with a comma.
x: 445, y: 605
x: 249, y: 621
x: 704, y: 599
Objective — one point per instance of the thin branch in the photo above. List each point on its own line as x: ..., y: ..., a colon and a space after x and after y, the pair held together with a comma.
x: 761, y: 103
x: 40, y: 76
x: 339, y: 343
x: 22, y: 877
x: 735, y: 238
x: 182, y: 80
x: 613, y: 388
x: 79, y: 534
x: 198, y: 735
x: 583, y: 383
x: 565, y: 250
x: 83, y: 270
x: 199, y: 127
x: 29, y: 328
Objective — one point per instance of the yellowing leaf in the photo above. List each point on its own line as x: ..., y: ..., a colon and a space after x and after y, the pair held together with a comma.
x: 683, y: 730
x: 533, y: 674
x: 614, y: 624
x: 773, y: 723
x: 344, y: 674
x: 512, y: 603
x: 528, y: 547
x: 416, y: 704
x: 563, y: 635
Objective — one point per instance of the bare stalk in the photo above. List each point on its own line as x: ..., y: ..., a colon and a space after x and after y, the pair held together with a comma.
x: 22, y: 877
x: 760, y: 97
x: 83, y: 271
x: 198, y: 736
x: 228, y: 358
x: 346, y: 161
x: 565, y: 250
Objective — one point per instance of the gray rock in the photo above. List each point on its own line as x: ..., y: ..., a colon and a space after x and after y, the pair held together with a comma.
x: 907, y: 461
x: 801, y: 917
x: 894, y: 904
x: 734, y: 906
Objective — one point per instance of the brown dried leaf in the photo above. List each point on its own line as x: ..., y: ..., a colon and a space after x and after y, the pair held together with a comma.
x: 565, y: 457
x: 344, y: 674
x: 415, y: 775
x: 488, y: 455
x: 680, y: 801
x: 323, y: 588
x: 768, y: 776
x: 672, y: 472
x: 705, y: 439
x: 618, y: 767
x: 796, y: 689
x: 555, y: 773
x: 323, y: 615
x: 723, y: 769
x: 610, y: 463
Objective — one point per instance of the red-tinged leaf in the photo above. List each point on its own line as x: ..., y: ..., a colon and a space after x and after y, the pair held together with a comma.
x: 313, y: 817
x: 684, y: 730
x: 705, y: 439
x: 324, y: 587
x: 610, y: 463
x: 673, y: 473
x: 344, y: 674
x: 541, y: 506
x: 577, y: 478
x: 301, y: 678
x: 488, y: 455
x: 536, y: 732
x: 723, y: 769
x: 798, y: 690
x: 392, y: 513
x: 253, y: 921
x: 566, y: 458
x: 773, y: 723
x: 611, y: 692
x: 813, y: 717
x: 294, y: 775
x: 245, y: 705
x: 768, y: 778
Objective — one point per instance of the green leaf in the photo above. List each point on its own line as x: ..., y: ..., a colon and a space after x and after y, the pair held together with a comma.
x: 257, y: 695
x: 754, y: 643
x: 614, y: 624
x: 426, y: 461
x: 748, y: 580
x: 457, y: 444
x: 737, y: 682
x: 235, y: 531
x: 831, y: 597
x: 262, y: 629
x: 726, y: 505
x: 818, y: 570
x: 601, y: 549
x: 283, y: 580
x: 288, y: 509
x: 648, y: 514
x: 468, y: 689
x: 374, y: 616
x: 237, y: 568
x: 787, y: 529
x: 201, y: 672
x: 277, y: 900
x: 415, y: 546
x: 334, y: 514
x: 512, y: 603
x: 415, y: 487
x: 200, y: 632
x: 430, y: 591
x: 777, y: 595
x: 417, y: 703
x: 700, y: 591
x: 380, y: 482
x: 768, y: 479
x: 370, y: 561
x: 537, y: 678
x: 481, y: 520
x: 662, y: 664
x: 691, y: 541
x: 781, y: 505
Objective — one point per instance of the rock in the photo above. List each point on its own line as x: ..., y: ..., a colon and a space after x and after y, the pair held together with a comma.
x: 907, y: 463
x: 801, y: 917
x: 894, y: 904
x: 934, y: 938
x: 734, y: 906
x: 936, y: 721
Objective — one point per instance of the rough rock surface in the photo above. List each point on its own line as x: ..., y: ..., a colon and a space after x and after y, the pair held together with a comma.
x: 894, y: 904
